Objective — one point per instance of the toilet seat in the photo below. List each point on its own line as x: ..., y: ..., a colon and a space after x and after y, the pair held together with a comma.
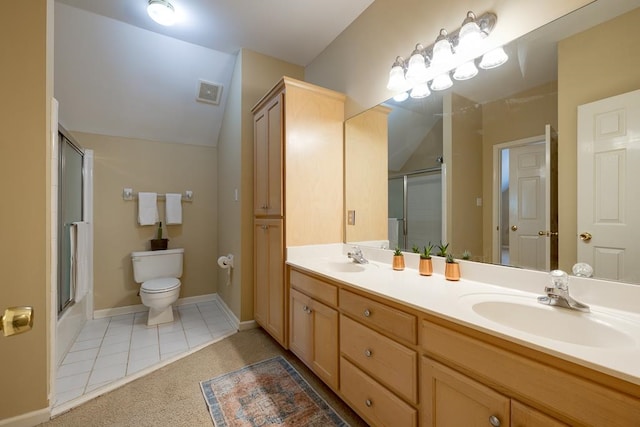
x: 163, y: 284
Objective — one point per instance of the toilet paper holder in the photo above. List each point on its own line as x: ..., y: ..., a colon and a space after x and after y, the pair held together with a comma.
x: 226, y: 261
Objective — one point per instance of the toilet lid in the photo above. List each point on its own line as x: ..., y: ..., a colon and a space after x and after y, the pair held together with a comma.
x: 162, y: 284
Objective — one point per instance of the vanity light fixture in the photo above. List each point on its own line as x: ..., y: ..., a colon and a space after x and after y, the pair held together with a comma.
x: 456, y: 51
x: 162, y: 12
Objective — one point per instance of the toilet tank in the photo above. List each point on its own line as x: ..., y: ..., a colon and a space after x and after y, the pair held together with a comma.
x: 149, y: 265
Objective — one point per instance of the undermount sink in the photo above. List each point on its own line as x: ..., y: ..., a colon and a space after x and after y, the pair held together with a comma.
x: 555, y: 323
x: 344, y: 266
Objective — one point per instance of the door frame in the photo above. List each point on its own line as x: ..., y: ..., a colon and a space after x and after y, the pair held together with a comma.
x: 496, y: 187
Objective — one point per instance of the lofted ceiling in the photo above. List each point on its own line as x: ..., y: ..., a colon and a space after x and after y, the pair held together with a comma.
x: 293, y: 31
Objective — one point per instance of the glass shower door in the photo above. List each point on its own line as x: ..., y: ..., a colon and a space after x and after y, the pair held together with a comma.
x: 69, y: 211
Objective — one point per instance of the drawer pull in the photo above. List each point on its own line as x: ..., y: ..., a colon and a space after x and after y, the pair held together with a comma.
x: 368, y: 353
x: 494, y: 421
x: 367, y: 313
x: 368, y: 402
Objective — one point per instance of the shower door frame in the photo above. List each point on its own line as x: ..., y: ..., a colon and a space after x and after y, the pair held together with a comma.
x: 405, y: 200
x: 65, y: 138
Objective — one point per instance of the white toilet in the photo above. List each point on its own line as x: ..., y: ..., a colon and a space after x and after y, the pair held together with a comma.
x: 158, y: 272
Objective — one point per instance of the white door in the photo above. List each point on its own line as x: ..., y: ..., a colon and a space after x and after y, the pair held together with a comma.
x: 608, y: 180
x: 528, y: 247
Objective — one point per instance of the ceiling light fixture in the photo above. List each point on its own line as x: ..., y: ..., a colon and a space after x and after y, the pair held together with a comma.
x: 457, y: 51
x: 162, y: 12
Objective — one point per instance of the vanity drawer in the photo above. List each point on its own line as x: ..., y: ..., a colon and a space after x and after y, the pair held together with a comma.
x: 575, y: 399
x: 314, y: 288
x: 402, y: 325
x: 372, y: 401
x: 391, y: 363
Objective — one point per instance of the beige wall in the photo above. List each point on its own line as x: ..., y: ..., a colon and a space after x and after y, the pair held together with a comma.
x: 254, y: 75
x: 163, y: 168
x: 465, y: 172
x: 508, y: 120
x: 366, y: 177
x: 358, y: 61
x: 592, y: 65
x: 357, y: 64
x: 26, y: 87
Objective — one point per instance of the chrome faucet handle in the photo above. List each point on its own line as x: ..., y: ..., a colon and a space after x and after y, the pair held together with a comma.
x: 560, y: 280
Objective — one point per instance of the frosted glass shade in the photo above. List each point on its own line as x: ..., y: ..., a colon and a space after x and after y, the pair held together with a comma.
x: 397, y: 82
x: 465, y: 71
x: 493, y: 59
x: 441, y: 82
x: 402, y: 96
x: 417, y: 69
x: 420, y: 91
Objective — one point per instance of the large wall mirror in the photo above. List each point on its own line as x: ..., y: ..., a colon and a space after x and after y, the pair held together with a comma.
x: 490, y: 165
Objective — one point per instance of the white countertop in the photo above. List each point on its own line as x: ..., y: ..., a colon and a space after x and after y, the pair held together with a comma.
x: 454, y: 301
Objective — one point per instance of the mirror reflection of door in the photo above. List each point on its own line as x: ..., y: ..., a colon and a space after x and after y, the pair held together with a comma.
x: 526, y: 235
x: 608, y: 175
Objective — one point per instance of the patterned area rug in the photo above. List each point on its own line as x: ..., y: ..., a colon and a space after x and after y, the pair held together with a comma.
x: 268, y: 393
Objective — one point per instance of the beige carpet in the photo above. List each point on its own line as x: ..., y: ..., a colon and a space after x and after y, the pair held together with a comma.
x: 171, y: 396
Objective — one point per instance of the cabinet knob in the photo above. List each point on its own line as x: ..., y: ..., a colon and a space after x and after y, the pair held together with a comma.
x: 368, y: 353
x: 367, y: 313
x: 368, y: 402
x: 494, y: 421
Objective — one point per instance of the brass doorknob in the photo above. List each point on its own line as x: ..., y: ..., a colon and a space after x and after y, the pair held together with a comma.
x: 586, y: 236
x: 514, y: 228
x: 16, y: 320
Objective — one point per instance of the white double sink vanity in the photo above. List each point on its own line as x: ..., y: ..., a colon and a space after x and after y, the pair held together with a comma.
x: 405, y: 349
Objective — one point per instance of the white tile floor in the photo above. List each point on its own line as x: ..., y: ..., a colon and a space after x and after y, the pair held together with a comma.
x: 110, y: 349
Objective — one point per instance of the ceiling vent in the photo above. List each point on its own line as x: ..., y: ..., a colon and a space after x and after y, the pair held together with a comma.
x: 209, y: 92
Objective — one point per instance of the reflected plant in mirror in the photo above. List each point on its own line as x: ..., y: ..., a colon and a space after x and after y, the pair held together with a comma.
x: 489, y: 165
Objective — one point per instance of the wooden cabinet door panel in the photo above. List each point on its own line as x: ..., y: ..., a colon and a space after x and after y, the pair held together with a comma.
x: 325, y: 343
x: 451, y: 399
x: 301, y: 326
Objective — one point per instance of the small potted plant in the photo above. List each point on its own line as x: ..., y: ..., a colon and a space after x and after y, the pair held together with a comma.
x: 451, y: 269
x: 442, y: 249
x: 159, y: 244
x: 398, y: 260
x: 415, y: 249
x: 426, y: 265
x: 466, y: 255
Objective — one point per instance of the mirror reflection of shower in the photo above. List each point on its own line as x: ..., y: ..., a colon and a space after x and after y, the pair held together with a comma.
x: 415, y: 208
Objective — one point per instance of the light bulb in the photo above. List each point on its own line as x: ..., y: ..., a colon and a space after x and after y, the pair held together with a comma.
x: 397, y: 82
x: 162, y: 12
x: 402, y: 96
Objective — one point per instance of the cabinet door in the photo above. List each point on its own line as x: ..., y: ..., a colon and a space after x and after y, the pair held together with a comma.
x: 325, y: 343
x: 525, y: 416
x: 300, y: 326
x: 452, y: 399
x: 269, y: 302
x: 267, y: 128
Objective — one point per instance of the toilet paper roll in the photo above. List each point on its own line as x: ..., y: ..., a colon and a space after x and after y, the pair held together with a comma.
x: 225, y: 261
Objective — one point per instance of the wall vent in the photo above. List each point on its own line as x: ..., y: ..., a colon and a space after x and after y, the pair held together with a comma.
x: 208, y: 92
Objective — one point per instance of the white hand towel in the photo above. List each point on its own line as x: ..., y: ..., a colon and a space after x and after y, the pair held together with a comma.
x: 147, y: 208
x: 81, y: 255
x: 173, y: 208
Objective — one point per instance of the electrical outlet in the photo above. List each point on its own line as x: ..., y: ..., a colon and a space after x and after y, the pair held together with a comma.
x: 351, y: 217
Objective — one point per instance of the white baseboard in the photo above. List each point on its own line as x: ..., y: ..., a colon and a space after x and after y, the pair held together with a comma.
x: 117, y: 311
x: 248, y: 324
x: 29, y: 419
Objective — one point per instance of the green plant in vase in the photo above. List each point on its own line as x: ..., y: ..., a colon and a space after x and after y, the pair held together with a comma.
x: 426, y: 265
x: 398, y: 260
x: 451, y: 268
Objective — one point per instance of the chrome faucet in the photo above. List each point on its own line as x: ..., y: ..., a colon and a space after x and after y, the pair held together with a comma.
x: 558, y: 293
x: 357, y: 256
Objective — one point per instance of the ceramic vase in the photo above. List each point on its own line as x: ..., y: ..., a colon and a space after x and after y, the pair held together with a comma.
x: 398, y: 262
x: 425, y: 267
x: 452, y: 271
